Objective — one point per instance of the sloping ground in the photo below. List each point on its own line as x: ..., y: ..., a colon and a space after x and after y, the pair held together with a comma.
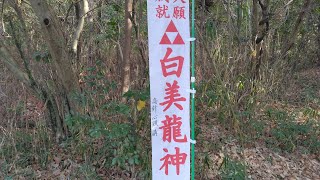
x: 219, y: 154
x: 223, y: 156
x: 261, y: 162
x: 305, y: 89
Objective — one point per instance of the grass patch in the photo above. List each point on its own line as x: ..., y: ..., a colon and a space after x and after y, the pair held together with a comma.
x: 287, y: 134
x: 22, y: 148
x: 232, y: 169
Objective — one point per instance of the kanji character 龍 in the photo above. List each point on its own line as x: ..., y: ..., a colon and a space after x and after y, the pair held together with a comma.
x: 176, y: 160
x: 172, y: 129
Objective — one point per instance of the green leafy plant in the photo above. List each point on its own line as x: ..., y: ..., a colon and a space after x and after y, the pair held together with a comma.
x: 123, y: 143
x: 232, y: 170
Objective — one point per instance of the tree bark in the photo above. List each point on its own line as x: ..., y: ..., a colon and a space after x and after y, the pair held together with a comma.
x: 2, y: 28
x: 142, y: 64
x: 318, y: 36
x: 260, y: 30
x: 58, y: 94
x: 52, y: 32
x: 254, y: 36
x: 255, y: 21
x: 127, y: 47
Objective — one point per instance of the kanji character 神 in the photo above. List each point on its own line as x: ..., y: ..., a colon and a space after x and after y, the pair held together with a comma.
x: 176, y: 159
x: 173, y: 96
x: 162, y: 11
x: 171, y: 63
x: 172, y: 129
x: 178, y: 12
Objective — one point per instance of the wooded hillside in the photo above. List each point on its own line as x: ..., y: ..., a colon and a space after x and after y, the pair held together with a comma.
x: 75, y: 98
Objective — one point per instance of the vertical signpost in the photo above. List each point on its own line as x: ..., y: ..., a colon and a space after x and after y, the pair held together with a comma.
x: 169, y: 60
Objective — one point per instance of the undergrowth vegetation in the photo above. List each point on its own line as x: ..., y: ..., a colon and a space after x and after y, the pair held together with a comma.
x: 98, y: 146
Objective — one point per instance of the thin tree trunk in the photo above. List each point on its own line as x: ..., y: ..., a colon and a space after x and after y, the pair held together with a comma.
x: 262, y: 34
x: 82, y: 10
x: 255, y: 21
x: 127, y: 47
x: 239, y: 19
x: 142, y: 64
x: 2, y: 28
x: 254, y: 35
x: 318, y: 36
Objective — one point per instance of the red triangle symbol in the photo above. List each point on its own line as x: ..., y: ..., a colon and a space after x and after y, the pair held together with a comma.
x: 165, y: 39
x: 178, y: 40
x: 171, y: 27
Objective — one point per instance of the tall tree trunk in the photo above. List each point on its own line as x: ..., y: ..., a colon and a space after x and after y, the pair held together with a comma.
x: 254, y: 36
x: 255, y: 21
x: 58, y: 95
x: 127, y: 47
x: 262, y: 35
x: 52, y: 32
x: 260, y: 30
x: 141, y: 62
x: 318, y: 36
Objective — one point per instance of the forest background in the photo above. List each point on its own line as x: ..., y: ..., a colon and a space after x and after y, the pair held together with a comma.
x: 74, y: 89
